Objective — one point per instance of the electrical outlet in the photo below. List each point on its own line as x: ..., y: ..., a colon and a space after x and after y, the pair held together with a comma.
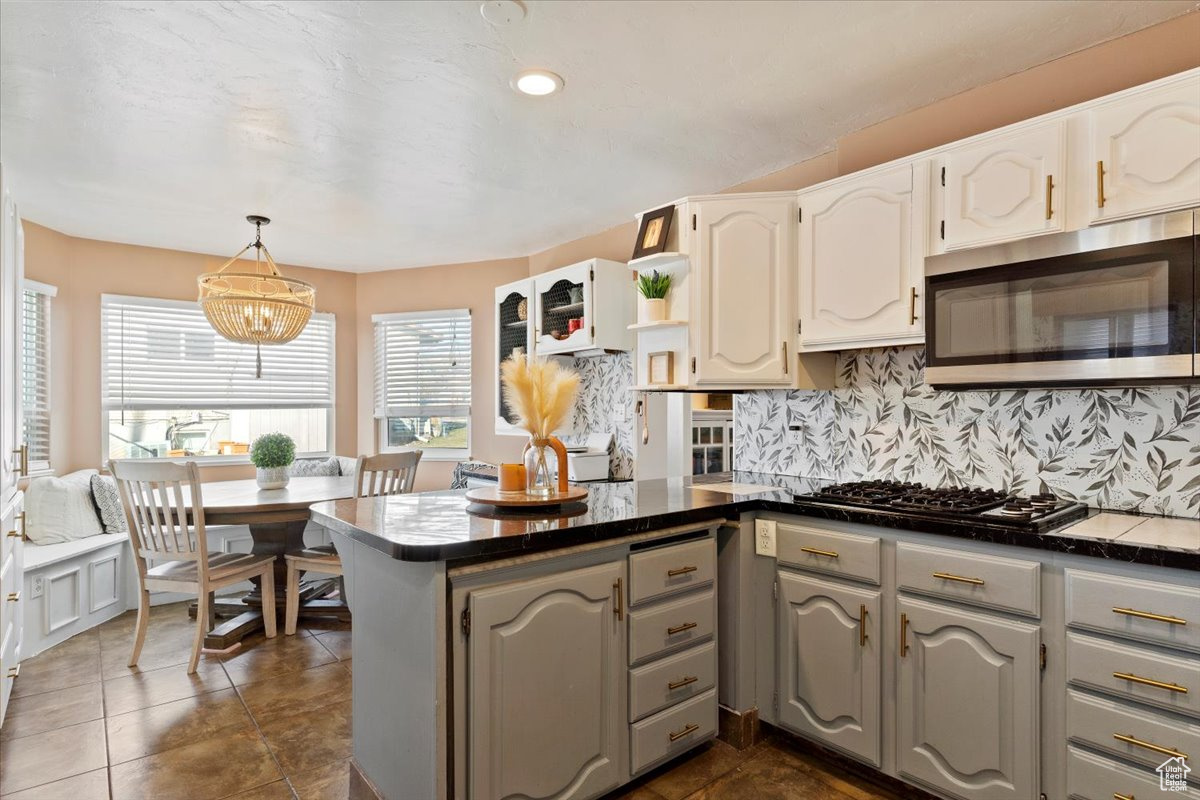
x: 764, y: 537
x: 39, y: 586
x: 794, y: 434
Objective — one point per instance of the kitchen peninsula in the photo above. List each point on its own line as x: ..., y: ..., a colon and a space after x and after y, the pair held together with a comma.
x: 564, y: 655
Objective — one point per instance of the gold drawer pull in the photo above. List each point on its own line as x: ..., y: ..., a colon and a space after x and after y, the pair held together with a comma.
x: 13, y: 597
x: 1133, y: 740
x: 1133, y: 612
x: 14, y: 534
x: 688, y: 681
x: 675, y: 573
x: 680, y: 734
x: 1119, y: 796
x: 1170, y: 687
x: 14, y: 671
x: 687, y: 626
x: 949, y: 576
x: 816, y: 552
x: 619, y: 602
x: 1049, y: 196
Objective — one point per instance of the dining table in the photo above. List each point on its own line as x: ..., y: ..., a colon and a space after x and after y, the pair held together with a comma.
x: 277, y: 519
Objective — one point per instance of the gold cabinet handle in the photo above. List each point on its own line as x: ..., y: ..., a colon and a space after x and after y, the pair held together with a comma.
x: 14, y: 534
x: 13, y: 597
x: 679, y: 684
x: 1133, y: 612
x: 1049, y: 196
x: 687, y: 626
x: 862, y: 625
x: 1099, y: 184
x: 23, y: 460
x: 619, y: 602
x: 675, y: 573
x: 816, y: 552
x: 1119, y: 796
x: 1170, y: 687
x: 912, y: 305
x: 1157, y: 748
x: 903, y: 635
x: 950, y: 576
x: 785, y: 359
x: 14, y: 671
x: 680, y: 734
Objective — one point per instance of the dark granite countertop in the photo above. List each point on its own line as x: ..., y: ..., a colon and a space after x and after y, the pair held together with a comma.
x: 436, y: 526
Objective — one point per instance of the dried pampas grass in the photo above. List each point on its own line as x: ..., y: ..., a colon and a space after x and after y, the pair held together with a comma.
x: 540, y: 393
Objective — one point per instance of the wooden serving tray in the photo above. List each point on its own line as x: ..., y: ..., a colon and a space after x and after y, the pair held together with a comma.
x: 492, y: 496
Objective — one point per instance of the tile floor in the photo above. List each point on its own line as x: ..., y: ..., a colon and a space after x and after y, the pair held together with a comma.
x: 268, y: 722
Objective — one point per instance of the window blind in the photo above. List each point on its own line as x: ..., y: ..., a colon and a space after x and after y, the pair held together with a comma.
x: 423, y: 364
x: 163, y: 354
x: 35, y: 372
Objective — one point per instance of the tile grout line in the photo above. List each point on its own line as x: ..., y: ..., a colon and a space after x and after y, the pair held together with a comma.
x: 262, y: 737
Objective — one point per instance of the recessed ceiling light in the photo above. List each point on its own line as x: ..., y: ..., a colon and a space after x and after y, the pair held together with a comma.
x: 537, y: 82
x: 502, y: 12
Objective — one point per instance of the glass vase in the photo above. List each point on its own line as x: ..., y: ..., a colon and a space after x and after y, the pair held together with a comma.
x: 538, y: 480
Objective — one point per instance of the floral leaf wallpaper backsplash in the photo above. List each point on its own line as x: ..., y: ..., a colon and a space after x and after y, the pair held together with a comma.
x: 605, y: 405
x: 1133, y: 449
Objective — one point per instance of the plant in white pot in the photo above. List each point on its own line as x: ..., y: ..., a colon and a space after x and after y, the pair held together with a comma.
x: 654, y: 288
x: 273, y: 453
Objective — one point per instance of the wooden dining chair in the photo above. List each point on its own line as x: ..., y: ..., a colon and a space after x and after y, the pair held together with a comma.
x: 160, y: 500
x: 386, y: 473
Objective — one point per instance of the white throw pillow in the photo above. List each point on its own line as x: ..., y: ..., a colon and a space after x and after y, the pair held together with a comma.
x: 61, y: 509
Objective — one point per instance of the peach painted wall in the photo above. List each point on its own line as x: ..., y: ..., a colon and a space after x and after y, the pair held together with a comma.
x: 426, y: 289
x: 83, y: 269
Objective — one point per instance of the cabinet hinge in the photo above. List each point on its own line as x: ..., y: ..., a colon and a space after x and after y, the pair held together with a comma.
x: 775, y: 590
x: 591, y: 275
x: 693, y: 222
x: 693, y: 365
x: 593, y: 332
x: 943, y: 229
x: 799, y: 215
x: 775, y: 702
x: 943, y: 176
x: 1042, y: 657
x: 799, y: 326
x: 466, y: 622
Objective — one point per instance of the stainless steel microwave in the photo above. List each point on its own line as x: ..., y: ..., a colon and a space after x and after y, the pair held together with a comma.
x: 1113, y: 305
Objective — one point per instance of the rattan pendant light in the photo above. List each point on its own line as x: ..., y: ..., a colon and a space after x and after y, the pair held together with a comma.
x: 260, y: 307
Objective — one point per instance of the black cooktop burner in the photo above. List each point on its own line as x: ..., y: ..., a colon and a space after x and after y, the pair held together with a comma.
x: 1037, y: 513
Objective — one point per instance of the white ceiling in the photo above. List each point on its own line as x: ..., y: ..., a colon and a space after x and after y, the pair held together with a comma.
x: 384, y: 135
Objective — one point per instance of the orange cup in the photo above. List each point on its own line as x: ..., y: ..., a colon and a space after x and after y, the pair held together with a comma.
x: 512, y: 477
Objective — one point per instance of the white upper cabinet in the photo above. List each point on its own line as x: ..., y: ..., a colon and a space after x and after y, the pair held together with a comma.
x: 862, y: 251
x: 742, y: 254
x: 1146, y: 152
x: 1006, y: 187
x: 584, y: 309
x: 514, y: 336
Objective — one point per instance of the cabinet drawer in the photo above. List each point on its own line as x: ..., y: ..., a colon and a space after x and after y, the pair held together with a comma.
x: 830, y: 552
x: 671, y: 732
x: 1151, y: 737
x: 668, y: 570
x: 981, y: 580
x: 1170, y: 682
x: 673, y: 625
x: 1093, y: 777
x: 1152, y: 612
x: 668, y: 681
x: 10, y: 581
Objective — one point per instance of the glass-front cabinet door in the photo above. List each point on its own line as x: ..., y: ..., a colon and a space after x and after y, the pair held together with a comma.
x: 564, y: 304
x: 514, y: 337
x: 712, y: 443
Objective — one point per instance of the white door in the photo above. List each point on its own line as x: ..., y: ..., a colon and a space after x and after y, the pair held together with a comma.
x: 564, y: 309
x: 1146, y: 152
x: 967, y: 705
x: 546, y: 667
x: 11, y: 276
x: 743, y: 316
x: 829, y: 659
x: 861, y: 262
x: 1007, y: 187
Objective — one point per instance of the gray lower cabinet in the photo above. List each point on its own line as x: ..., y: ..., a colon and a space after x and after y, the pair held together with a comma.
x: 967, y: 703
x: 829, y: 663
x: 546, y: 663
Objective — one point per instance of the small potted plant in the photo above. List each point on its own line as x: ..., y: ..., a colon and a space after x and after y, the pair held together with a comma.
x: 654, y: 288
x: 273, y: 453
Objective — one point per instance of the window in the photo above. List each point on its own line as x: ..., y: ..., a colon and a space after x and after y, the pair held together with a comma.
x: 35, y: 373
x: 423, y: 382
x: 174, y: 388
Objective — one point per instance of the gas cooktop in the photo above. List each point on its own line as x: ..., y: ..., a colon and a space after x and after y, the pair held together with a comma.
x: 1037, y: 513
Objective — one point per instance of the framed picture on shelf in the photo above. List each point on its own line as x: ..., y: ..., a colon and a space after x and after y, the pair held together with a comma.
x: 652, y: 234
x: 660, y: 368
